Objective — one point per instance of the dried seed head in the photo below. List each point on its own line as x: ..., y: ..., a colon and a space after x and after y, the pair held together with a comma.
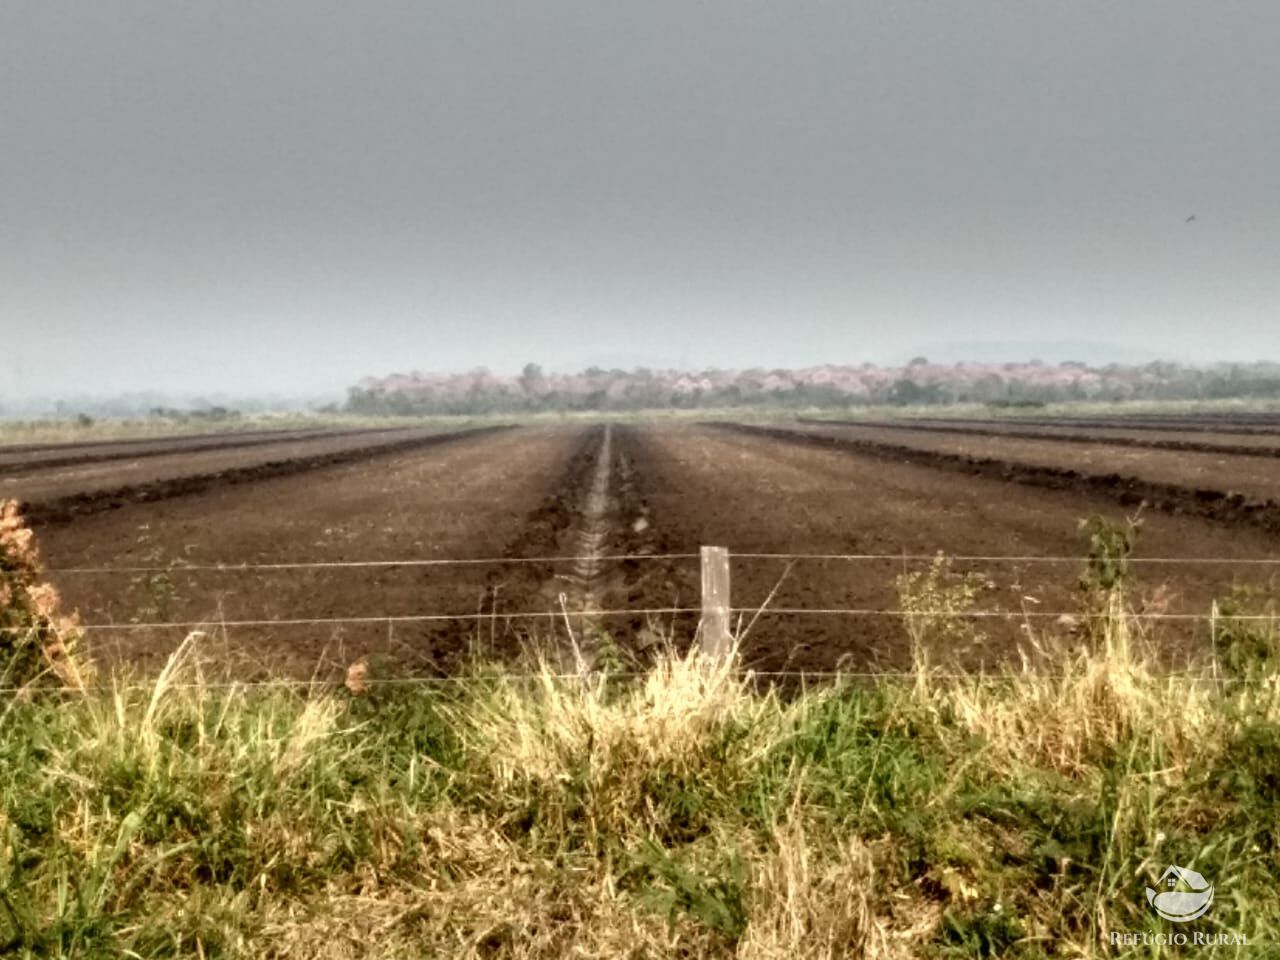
x: 357, y: 677
x: 44, y: 600
x: 30, y: 604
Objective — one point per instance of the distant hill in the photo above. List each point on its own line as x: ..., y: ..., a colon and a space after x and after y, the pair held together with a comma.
x: 143, y: 404
x: 1091, y: 353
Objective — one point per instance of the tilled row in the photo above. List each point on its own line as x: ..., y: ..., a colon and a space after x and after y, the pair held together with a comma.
x: 60, y: 509
x: 492, y: 525
x: 597, y: 521
x: 24, y: 459
x: 321, y: 583
x: 821, y: 536
x: 1217, y: 505
x: 1242, y: 422
x: 1003, y: 430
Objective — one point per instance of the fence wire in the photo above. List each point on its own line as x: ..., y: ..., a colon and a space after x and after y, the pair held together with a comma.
x: 180, y: 567
x: 571, y: 614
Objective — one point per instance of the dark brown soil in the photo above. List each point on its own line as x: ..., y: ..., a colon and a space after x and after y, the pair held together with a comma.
x: 755, y: 493
x: 51, y: 496
x: 1187, y: 442
x: 161, y: 439
x: 1246, y: 424
x: 498, y: 497
x: 31, y: 457
x: 478, y: 496
x: 1227, y: 489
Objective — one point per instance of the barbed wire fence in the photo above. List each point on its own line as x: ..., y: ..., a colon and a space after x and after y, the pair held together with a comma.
x: 716, y: 613
x: 409, y: 562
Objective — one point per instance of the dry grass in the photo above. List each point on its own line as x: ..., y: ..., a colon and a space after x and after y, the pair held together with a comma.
x: 687, y: 813
x: 37, y: 641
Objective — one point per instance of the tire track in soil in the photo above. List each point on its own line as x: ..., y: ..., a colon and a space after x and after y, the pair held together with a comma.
x: 647, y: 578
x: 616, y: 521
x: 1215, y: 505
x: 550, y: 530
x: 572, y: 521
x: 588, y: 541
x: 595, y: 512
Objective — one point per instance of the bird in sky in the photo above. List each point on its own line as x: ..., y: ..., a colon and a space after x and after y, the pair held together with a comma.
x: 1189, y: 219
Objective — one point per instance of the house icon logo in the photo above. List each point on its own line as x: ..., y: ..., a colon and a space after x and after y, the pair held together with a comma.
x: 1181, y: 895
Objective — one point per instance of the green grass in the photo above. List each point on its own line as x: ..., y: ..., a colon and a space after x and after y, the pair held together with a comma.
x: 683, y: 814
x: 680, y: 810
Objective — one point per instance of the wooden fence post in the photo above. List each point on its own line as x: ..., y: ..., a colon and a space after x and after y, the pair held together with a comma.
x: 716, y: 636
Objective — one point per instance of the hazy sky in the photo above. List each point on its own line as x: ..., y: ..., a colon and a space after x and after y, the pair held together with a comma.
x: 288, y: 195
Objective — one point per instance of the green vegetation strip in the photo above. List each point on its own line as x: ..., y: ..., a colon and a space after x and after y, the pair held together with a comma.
x: 682, y: 809
x: 682, y: 814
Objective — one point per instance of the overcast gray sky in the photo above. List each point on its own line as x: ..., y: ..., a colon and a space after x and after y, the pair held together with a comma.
x: 288, y: 195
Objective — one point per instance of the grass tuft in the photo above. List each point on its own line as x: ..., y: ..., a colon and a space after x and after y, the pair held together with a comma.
x: 690, y: 812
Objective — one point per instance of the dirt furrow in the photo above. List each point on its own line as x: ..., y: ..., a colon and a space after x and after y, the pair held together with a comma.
x: 1244, y: 425
x: 171, y: 439
x: 1218, y: 505
x: 753, y: 493
x: 64, y: 508
x: 482, y: 495
x: 1093, y: 440
x: 16, y: 461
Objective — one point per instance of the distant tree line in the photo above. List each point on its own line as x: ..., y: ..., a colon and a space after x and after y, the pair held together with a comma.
x: 160, y: 406
x: 917, y: 383
x: 215, y: 414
